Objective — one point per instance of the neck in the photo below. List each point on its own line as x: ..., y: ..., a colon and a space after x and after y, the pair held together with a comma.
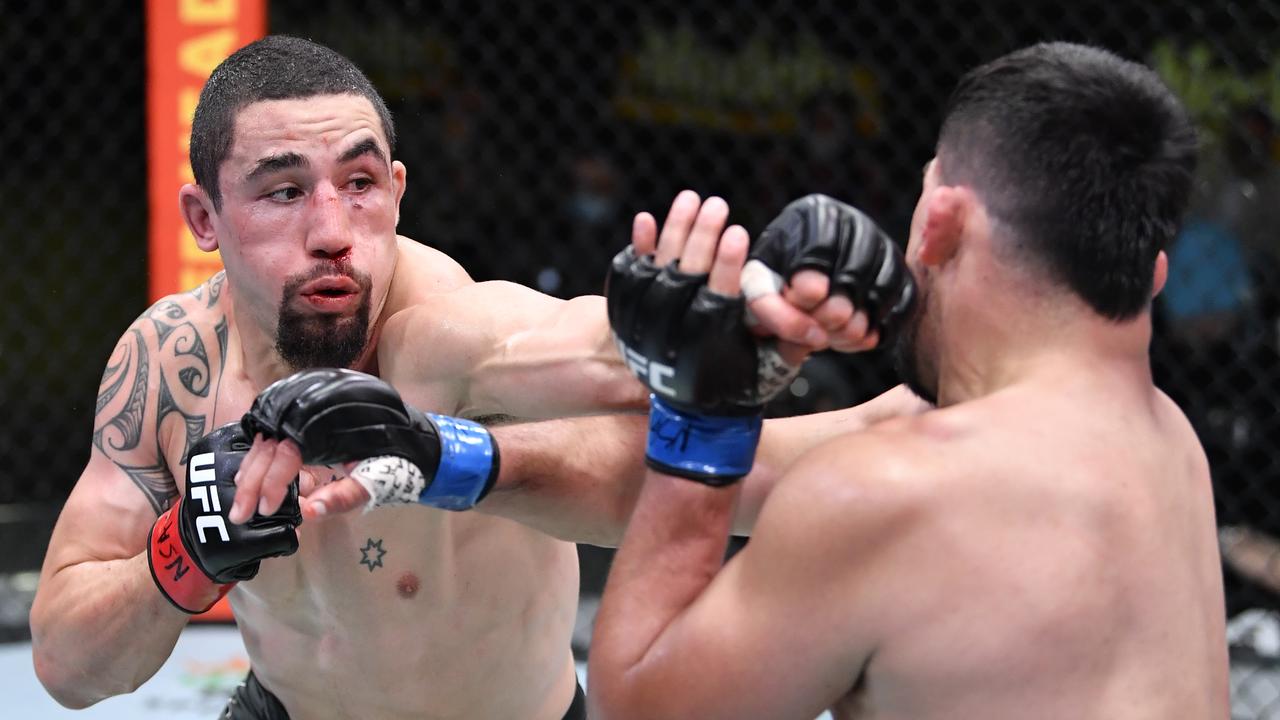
x: 1059, y: 342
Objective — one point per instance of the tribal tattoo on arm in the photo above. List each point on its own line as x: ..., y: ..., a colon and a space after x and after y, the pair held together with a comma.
x: 159, y: 381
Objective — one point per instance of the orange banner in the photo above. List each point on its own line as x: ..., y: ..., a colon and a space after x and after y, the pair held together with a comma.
x: 186, y: 39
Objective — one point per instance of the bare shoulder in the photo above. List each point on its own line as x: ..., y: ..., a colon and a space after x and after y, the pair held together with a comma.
x: 159, y: 389
x: 880, y: 481
x: 1169, y: 414
x: 422, y: 272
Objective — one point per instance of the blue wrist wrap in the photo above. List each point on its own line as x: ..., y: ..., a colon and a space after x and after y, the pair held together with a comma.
x: 468, y: 464
x: 714, y: 450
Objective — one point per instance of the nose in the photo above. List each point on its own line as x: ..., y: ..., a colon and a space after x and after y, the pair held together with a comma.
x: 329, y: 234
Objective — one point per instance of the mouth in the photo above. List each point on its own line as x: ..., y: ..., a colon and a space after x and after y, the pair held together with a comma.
x: 336, y: 293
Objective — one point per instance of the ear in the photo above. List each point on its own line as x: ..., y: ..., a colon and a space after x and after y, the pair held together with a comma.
x: 197, y: 210
x: 398, y: 175
x: 1160, y: 274
x: 946, y: 211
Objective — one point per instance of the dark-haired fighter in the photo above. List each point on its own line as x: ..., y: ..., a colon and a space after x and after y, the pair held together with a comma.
x: 1040, y: 545
x: 405, y: 612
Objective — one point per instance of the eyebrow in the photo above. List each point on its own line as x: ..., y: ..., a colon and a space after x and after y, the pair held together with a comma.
x: 364, y: 147
x: 276, y: 163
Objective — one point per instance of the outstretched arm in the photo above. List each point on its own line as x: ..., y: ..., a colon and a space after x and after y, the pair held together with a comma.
x: 578, y: 478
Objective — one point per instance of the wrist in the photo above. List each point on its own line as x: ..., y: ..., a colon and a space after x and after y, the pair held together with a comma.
x: 174, y: 570
x: 451, y: 464
x: 710, y: 449
x: 468, y: 464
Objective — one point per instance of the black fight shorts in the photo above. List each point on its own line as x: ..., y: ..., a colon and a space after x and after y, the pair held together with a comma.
x: 251, y: 701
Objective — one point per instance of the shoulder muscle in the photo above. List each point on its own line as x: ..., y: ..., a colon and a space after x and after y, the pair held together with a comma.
x: 161, y: 379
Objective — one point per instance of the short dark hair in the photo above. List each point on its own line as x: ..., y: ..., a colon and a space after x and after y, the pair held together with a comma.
x: 1083, y: 159
x: 277, y: 67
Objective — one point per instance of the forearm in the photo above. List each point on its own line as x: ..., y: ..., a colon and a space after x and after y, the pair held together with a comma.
x: 101, y: 628
x: 578, y: 478
x: 575, y: 478
x: 673, y: 548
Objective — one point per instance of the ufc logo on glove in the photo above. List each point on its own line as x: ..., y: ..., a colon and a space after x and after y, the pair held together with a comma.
x: 659, y: 375
x: 203, y: 477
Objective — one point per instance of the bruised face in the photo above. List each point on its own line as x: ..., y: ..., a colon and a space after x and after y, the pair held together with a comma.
x: 307, y: 228
x: 915, y: 349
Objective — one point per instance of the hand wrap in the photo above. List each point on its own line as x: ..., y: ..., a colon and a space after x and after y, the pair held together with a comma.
x: 344, y: 416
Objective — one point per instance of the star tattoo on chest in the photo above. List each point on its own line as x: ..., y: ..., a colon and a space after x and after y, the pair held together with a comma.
x: 371, y: 554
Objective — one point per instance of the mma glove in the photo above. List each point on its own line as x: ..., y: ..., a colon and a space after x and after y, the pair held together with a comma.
x: 195, y: 553
x: 343, y: 416
x: 709, y: 377
x: 820, y: 233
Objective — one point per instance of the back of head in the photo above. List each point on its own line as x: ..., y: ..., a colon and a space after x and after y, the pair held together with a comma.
x: 1084, y: 162
x: 277, y: 67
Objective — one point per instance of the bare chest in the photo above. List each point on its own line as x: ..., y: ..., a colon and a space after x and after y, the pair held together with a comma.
x: 441, y: 597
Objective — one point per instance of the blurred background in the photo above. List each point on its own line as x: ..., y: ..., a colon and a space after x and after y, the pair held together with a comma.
x: 534, y: 130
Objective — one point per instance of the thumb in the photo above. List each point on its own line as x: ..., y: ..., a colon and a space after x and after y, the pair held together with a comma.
x: 340, y: 496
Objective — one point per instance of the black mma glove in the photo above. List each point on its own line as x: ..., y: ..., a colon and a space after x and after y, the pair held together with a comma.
x: 709, y: 376
x: 819, y: 233
x: 195, y: 553
x: 343, y: 416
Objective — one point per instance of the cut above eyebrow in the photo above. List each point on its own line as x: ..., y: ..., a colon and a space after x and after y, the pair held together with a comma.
x: 276, y: 163
x: 367, y: 146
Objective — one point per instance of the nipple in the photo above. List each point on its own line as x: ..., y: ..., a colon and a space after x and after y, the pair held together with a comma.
x: 407, y: 585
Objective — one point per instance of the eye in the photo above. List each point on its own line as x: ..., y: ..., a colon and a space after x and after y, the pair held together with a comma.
x: 285, y: 194
x: 361, y: 184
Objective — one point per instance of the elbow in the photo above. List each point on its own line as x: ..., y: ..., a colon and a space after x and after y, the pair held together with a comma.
x: 64, y: 676
x: 62, y: 686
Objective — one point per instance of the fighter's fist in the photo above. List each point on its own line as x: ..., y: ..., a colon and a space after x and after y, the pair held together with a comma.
x: 339, y: 417
x: 838, y: 264
x: 689, y: 344
x: 196, y: 554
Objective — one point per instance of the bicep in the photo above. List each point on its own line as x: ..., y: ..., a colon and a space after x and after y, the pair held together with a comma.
x: 501, y: 348
x: 562, y: 361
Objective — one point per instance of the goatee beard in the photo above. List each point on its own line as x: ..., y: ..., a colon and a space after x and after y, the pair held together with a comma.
x: 306, y: 340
